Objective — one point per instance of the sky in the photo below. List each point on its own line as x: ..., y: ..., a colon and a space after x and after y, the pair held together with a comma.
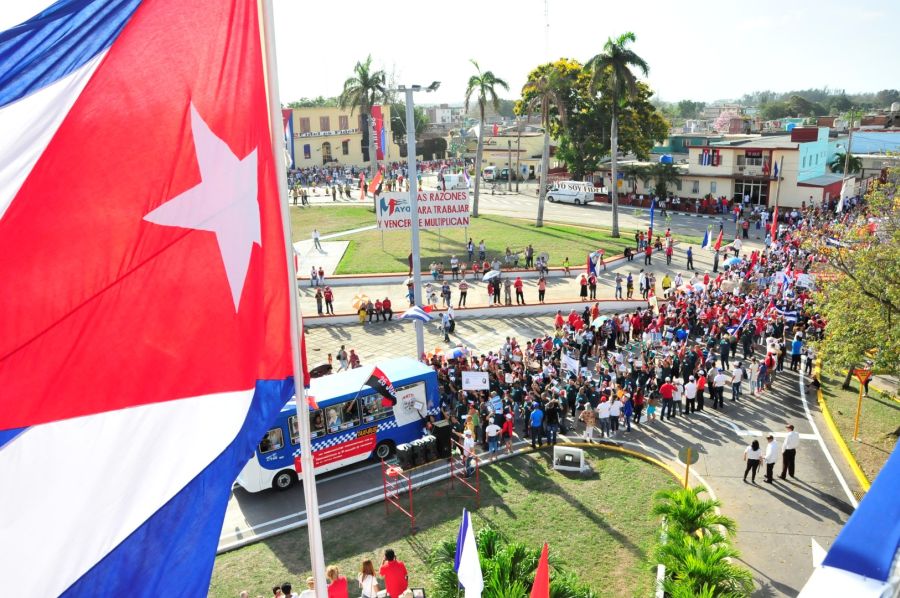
x: 698, y: 50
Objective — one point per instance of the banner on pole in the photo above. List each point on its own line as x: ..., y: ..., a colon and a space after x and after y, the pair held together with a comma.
x: 437, y: 209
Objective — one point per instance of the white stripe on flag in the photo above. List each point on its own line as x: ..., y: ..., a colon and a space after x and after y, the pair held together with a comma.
x: 416, y: 313
x: 468, y: 567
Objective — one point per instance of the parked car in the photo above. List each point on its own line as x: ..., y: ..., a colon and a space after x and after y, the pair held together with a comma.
x: 503, y: 175
x: 489, y: 173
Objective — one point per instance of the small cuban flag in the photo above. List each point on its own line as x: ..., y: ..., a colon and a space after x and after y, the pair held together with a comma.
x: 417, y: 313
x: 705, y: 242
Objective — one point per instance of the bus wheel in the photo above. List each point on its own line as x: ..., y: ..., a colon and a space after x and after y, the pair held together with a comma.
x: 284, y: 480
x: 384, y: 449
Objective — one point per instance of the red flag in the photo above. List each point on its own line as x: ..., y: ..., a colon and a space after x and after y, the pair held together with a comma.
x: 383, y: 385
x: 718, y: 244
x: 774, y: 230
x: 376, y: 180
x: 541, y: 587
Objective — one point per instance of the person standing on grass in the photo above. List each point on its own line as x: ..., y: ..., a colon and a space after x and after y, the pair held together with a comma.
x: 771, y: 457
x: 396, y: 578
x: 751, y: 456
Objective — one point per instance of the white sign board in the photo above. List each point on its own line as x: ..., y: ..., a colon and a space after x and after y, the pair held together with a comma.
x: 475, y: 381
x: 437, y: 209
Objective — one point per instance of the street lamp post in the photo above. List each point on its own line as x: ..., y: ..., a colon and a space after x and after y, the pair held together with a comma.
x: 414, y: 204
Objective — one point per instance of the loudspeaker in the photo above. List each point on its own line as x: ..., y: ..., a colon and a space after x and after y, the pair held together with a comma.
x: 442, y: 434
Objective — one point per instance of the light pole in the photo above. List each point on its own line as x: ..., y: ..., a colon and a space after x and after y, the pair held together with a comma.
x: 414, y: 204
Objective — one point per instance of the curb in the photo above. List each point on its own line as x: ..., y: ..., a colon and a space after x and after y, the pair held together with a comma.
x: 842, y: 444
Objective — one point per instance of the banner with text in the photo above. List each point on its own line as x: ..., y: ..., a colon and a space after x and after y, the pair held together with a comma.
x: 437, y: 209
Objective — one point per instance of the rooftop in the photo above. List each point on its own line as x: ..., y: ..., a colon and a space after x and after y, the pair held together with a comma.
x: 752, y: 141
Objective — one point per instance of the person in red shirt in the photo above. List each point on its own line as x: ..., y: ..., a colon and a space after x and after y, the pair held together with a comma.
x: 558, y: 321
x: 648, y: 254
x: 701, y: 387
x: 388, y: 312
x: 520, y: 297
x: 337, y: 583
x: 394, y: 573
x: 507, y: 431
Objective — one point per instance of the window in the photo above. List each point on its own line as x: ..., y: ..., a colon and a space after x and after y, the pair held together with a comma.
x: 335, y: 418
x: 678, y: 184
x: 804, y: 161
x: 345, y: 147
x: 304, y: 125
x: 307, y: 151
x: 750, y: 159
x: 272, y: 441
x: 324, y: 123
x: 343, y: 123
x: 712, y: 187
x: 373, y: 410
x: 294, y: 429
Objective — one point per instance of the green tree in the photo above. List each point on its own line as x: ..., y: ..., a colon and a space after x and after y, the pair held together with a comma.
x: 687, y: 513
x: 611, y: 73
x: 886, y: 97
x: 398, y: 122
x: 859, y: 291
x: 702, y: 565
x: 362, y: 91
x: 316, y: 102
x: 547, y: 91
x: 632, y: 173
x: 508, y: 569
x: 854, y: 164
x: 664, y: 175
x: 690, y: 109
x: 774, y: 110
x: 482, y: 88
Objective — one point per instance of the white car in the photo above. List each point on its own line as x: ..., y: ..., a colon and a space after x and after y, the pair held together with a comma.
x: 577, y: 192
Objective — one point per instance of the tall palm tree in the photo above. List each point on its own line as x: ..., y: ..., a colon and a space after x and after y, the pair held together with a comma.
x: 687, y: 513
x: 697, y: 566
x: 837, y: 163
x: 482, y: 87
x: 611, y: 72
x: 632, y: 173
x: 544, y: 93
x: 362, y: 91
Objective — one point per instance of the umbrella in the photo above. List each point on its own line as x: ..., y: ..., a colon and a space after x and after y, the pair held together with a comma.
x: 489, y: 275
x: 599, y: 321
x: 732, y: 261
x: 359, y: 299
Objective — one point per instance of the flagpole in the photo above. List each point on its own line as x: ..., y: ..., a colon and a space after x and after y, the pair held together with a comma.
x: 307, y: 475
x: 778, y: 179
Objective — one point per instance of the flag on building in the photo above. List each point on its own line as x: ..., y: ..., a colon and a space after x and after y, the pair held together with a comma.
x: 379, y: 381
x: 417, y: 313
x: 775, y: 171
x: 718, y: 244
x: 144, y: 353
x: 541, y: 586
x: 466, y: 563
x: 705, y: 242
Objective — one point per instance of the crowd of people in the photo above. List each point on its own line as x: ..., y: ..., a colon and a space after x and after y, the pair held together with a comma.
x: 391, y: 580
x: 715, y: 341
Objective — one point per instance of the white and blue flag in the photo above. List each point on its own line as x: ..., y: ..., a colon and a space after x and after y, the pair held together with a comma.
x: 466, y: 564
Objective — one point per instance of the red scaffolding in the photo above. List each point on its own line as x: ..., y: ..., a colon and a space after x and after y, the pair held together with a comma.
x: 465, y: 467
x: 395, y: 484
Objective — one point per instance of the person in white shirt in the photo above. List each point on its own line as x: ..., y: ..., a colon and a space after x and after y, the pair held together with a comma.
x: 771, y: 457
x: 737, y: 376
x: 751, y: 456
x: 678, y: 395
x: 690, y: 395
x: 789, y: 452
x: 492, y: 431
x: 615, y: 410
x: 603, y: 410
x: 719, y: 390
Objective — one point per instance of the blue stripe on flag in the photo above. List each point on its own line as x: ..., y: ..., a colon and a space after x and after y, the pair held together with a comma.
x: 172, y: 553
x: 56, y: 42
x: 7, y: 435
x: 461, y: 539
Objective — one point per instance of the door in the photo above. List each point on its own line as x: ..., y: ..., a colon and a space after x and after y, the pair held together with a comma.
x: 326, y: 152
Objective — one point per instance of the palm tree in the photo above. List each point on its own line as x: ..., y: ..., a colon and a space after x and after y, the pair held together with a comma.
x: 633, y: 173
x: 362, y: 91
x: 687, y: 513
x: 664, y: 174
x: 698, y: 566
x: 482, y: 87
x: 837, y: 163
x: 544, y: 93
x: 611, y: 71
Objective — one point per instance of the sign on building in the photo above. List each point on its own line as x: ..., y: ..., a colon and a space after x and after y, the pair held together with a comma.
x: 437, y: 209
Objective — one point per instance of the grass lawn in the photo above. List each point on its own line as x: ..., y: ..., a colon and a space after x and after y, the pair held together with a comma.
x: 329, y: 220
x: 599, y: 525
x: 369, y: 253
x: 879, y: 425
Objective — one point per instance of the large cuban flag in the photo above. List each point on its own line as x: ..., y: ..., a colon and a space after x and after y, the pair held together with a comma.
x: 144, y: 321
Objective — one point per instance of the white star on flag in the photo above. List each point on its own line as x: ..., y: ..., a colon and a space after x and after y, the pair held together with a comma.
x: 224, y: 203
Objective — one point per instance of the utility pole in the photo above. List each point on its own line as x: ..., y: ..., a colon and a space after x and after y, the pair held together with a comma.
x: 509, y: 171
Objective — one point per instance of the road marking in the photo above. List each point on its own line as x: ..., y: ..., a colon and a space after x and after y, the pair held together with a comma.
x: 828, y: 456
